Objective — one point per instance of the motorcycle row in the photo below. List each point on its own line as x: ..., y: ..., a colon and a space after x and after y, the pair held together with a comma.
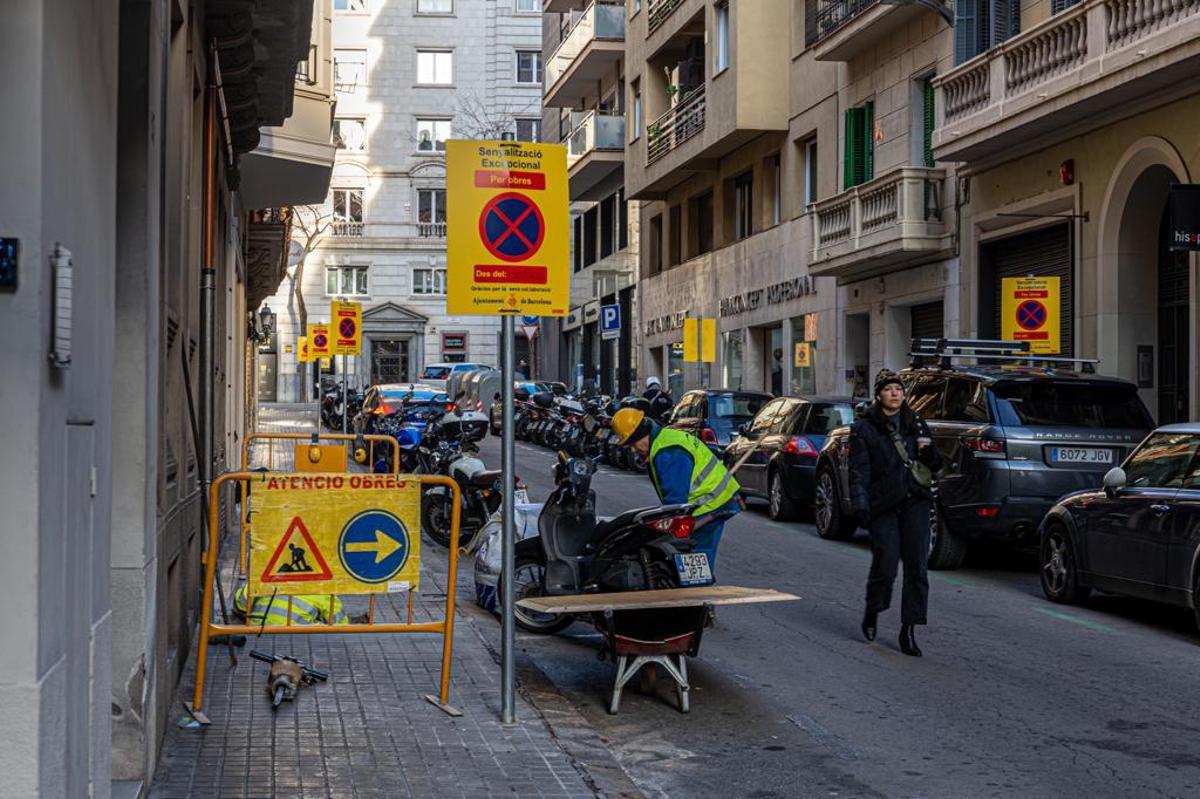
x: 580, y: 427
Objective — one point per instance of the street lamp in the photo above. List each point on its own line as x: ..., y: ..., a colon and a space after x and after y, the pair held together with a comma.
x: 267, y: 320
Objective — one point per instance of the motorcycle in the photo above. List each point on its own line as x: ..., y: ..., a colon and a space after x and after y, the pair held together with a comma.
x: 577, y: 553
x: 331, y: 405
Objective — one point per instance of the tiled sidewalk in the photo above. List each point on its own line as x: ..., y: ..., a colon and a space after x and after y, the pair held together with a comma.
x: 368, y: 732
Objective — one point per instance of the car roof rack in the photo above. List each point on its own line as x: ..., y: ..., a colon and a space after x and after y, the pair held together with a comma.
x: 946, y: 350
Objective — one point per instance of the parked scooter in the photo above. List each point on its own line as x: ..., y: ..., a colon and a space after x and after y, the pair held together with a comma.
x: 576, y: 553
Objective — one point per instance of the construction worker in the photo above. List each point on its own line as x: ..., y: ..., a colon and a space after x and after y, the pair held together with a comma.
x: 684, y: 471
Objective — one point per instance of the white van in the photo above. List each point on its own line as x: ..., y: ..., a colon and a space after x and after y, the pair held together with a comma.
x: 436, y: 374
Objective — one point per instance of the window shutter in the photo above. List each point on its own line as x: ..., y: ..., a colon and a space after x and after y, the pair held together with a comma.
x: 1004, y: 21
x: 966, y: 30
x: 853, y: 157
x: 927, y: 143
x: 868, y: 141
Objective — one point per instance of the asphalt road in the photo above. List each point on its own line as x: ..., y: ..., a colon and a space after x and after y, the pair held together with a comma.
x: 1015, y: 696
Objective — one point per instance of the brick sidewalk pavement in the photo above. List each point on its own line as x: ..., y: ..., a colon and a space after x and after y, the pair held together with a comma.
x: 368, y: 732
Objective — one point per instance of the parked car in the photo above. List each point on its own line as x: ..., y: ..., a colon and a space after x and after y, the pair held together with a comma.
x: 436, y: 374
x: 1139, y: 535
x: 714, y: 414
x: 783, y: 441
x: 1014, y: 439
x: 387, y: 398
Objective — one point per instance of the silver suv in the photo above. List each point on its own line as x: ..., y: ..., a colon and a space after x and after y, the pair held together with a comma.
x: 1014, y: 440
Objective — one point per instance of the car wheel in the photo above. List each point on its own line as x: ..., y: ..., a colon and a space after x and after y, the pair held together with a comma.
x: 947, y: 551
x: 528, y: 583
x: 831, y: 523
x: 1059, y: 574
x: 779, y: 505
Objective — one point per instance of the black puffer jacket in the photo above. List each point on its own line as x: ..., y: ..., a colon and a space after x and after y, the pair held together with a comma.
x: 879, y: 480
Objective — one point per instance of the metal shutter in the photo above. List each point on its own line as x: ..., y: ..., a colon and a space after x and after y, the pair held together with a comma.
x: 928, y: 320
x: 1042, y: 253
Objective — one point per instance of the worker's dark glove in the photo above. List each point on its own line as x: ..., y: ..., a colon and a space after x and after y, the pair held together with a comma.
x: 863, y: 518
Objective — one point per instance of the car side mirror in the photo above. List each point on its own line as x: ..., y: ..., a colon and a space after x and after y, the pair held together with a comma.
x: 1114, y: 480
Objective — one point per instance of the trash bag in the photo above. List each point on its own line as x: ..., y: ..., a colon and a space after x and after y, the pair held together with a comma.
x: 487, y: 559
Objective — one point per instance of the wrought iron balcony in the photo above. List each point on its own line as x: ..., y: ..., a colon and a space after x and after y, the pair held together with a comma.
x: 889, y: 223
x: 658, y: 11
x: 673, y: 128
x: 1069, y: 72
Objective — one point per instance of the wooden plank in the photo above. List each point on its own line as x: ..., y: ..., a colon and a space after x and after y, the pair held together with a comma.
x: 668, y: 598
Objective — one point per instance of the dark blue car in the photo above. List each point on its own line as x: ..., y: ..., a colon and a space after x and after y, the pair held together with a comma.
x: 786, y: 437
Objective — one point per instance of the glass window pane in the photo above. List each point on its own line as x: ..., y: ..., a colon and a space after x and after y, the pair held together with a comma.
x: 425, y: 206
x: 356, y: 206
x: 339, y: 204
x: 1047, y: 404
x: 331, y: 281
x: 362, y: 280
x: 439, y: 205
x: 347, y: 281
x: 1162, y: 462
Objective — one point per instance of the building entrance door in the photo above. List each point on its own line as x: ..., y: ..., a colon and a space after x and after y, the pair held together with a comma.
x: 773, y: 360
x: 389, y: 361
x: 1174, y: 353
x: 268, y: 368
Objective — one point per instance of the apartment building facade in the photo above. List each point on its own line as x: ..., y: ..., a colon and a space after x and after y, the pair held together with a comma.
x: 1070, y: 122
x: 791, y: 193
x: 586, y: 109
x: 408, y: 74
x: 135, y: 246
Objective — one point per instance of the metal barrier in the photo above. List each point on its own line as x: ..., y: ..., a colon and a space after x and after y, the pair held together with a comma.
x: 209, y: 629
x: 243, y: 562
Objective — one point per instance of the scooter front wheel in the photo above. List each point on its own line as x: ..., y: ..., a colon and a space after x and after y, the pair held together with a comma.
x: 529, y: 573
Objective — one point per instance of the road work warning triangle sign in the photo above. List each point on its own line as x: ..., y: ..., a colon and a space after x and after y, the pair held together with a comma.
x: 297, y: 558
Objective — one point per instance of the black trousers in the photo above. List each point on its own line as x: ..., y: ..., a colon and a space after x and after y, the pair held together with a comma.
x: 901, y: 533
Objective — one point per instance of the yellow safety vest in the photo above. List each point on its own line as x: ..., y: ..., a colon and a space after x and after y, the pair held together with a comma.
x: 711, y: 485
x: 305, y: 609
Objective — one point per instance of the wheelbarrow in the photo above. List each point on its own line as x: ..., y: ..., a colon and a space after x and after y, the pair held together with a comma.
x: 639, y: 640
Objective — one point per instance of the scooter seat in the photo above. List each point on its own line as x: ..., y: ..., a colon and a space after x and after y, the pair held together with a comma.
x: 485, y: 479
x: 605, y: 527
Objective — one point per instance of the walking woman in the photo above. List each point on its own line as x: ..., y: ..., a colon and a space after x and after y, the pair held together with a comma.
x: 892, y: 462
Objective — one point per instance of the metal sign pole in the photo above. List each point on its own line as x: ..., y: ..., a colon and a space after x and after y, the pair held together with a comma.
x: 508, y: 536
x: 345, y: 387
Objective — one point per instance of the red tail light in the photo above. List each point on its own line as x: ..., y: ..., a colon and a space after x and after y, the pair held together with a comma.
x: 678, y: 526
x: 988, y: 511
x: 383, y: 409
x: 449, y: 407
x: 708, y: 435
x: 985, y: 447
x: 800, y: 446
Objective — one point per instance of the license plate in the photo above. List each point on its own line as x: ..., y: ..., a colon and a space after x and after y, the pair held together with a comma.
x: 1080, y: 455
x: 693, y: 568
x: 521, y: 496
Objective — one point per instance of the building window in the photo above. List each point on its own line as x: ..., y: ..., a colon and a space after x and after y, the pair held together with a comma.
x: 350, y: 134
x: 928, y: 121
x: 722, y: 11
x: 435, y: 67
x: 810, y: 171
x: 674, y: 235
x: 432, y: 134
x: 354, y: 6
x: 636, y: 130
x: 349, y: 69
x: 431, y: 213
x: 428, y: 280
x: 529, y: 130
x: 529, y: 66
x: 743, y: 205
x: 637, y: 6
x: 700, y: 224
x: 532, y: 6
x: 435, y: 6
x: 859, y: 157
x: 346, y: 281
x: 775, y: 175
x: 654, y: 245
x: 347, y: 212
x: 980, y: 25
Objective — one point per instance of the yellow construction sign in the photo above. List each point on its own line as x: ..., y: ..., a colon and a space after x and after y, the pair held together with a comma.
x: 346, y: 327
x: 302, y: 354
x: 1030, y: 310
x: 319, y: 343
x: 699, y: 340
x: 508, y: 234
x: 335, y: 534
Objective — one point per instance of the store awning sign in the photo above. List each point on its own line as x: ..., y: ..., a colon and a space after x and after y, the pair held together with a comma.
x: 1185, y: 217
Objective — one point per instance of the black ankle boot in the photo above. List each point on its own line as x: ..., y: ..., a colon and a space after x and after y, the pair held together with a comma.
x: 908, y: 641
x: 868, y: 625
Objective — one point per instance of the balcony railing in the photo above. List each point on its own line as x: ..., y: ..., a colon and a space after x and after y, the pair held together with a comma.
x: 596, y: 132
x: 833, y: 14
x: 345, y: 229
x: 882, y: 221
x: 676, y: 126
x: 658, y: 11
x: 601, y: 20
x: 1027, y: 73
x: 431, y: 230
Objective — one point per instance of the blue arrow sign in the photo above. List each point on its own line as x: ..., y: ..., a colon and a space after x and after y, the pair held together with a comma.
x: 610, y: 321
x: 530, y: 321
x: 374, y: 546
